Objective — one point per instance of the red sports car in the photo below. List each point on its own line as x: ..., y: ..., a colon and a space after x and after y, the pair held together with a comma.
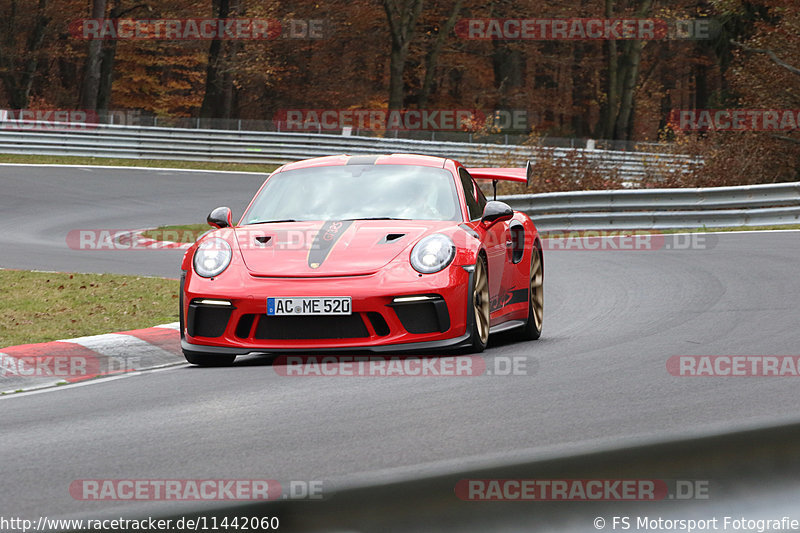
x: 363, y: 253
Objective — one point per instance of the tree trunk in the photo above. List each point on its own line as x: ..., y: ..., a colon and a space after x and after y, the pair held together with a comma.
x: 106, y: 76
x: 107, y: 62
x: 91, y: 75
x: 432, y: 58
x: 397, y: 65
x: 34, y: 45
x: 402, y: 21
x: 631, y: 59
x: 667, y: 102
x: 19, y: 88
x: 217, y: 101
x: 507, y: 64
x: 580, y: 93
x: 622, y: 80
x: 609, y: 113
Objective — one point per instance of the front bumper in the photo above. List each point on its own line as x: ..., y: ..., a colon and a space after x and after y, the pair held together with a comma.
x: 378, y: 323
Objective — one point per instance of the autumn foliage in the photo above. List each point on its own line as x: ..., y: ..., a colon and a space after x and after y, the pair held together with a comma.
x: 409, y: 54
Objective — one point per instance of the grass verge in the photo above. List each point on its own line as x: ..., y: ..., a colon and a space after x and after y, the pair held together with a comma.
x: 178, y: 233
x: 44, y: 306
x: 115, y: 162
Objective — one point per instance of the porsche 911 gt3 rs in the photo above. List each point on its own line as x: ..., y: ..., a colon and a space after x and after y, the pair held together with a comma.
x: 363, y: 253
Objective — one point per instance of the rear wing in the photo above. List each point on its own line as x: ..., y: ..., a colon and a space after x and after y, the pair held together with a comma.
x: 520, y: 175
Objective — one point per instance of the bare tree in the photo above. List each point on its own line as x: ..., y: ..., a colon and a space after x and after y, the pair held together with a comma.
x: 622, y: 77
x: 402, y: 16
x: 770, y: 54
x: 778, y: 61
x: 432, y: 57
x: 108, y: 57
x: 91, y: 73
x: 219, y: 93
x: 18, y: 82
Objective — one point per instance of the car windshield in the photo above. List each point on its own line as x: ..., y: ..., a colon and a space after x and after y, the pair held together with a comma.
x: 346, y: 192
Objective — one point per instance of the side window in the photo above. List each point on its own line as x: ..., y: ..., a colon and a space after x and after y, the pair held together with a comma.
x: 475, y: 199
x: 481, y: 198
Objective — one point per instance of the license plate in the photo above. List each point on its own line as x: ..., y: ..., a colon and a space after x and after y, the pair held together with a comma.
x: 307, y: 305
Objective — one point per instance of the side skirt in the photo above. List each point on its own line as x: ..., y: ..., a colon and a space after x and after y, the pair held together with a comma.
x: 505, y: 326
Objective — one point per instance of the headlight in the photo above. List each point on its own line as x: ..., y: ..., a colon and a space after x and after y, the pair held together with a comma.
x: 433, y: 253
x: 212, y: 257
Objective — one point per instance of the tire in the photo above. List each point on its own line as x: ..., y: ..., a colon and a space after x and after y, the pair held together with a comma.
x: 532, y: 329
x: 208, y: 359
x: 480, y: 307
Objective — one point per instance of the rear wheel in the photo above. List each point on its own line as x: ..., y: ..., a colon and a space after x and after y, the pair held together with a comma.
x: 208, y: 359
x: 533, y: 326
x: 480, y: 306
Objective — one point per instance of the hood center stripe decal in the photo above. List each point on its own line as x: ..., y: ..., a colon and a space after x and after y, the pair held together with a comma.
x: 324, y: 241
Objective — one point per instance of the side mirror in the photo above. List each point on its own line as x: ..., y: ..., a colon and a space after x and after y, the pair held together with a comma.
x: 220, y: 218
x: 496, y: 211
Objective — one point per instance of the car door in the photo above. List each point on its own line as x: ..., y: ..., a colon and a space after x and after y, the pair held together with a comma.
x: 495, y: 239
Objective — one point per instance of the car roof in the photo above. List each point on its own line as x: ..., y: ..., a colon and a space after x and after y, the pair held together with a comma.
x: 388, y: 159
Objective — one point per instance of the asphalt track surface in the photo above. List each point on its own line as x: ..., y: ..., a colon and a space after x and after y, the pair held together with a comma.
x: 597, y: 377
x: 42, y: 205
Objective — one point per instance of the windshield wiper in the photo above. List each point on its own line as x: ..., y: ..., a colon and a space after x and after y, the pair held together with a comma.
x: 273, y: 221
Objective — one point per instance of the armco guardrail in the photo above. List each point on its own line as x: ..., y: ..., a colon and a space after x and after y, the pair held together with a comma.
x: 629, y: 209
x: 618, y: 209
x: 106, y: 140
x: 751, y: 472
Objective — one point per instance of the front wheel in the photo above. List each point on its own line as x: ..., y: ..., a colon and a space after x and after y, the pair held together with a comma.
x: 480, y: 307
x: 533, y: 325
x: 208, y: 359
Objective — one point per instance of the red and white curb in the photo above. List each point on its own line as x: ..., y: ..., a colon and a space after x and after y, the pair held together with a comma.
x: 134, y: 239
x: 68, y: 361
